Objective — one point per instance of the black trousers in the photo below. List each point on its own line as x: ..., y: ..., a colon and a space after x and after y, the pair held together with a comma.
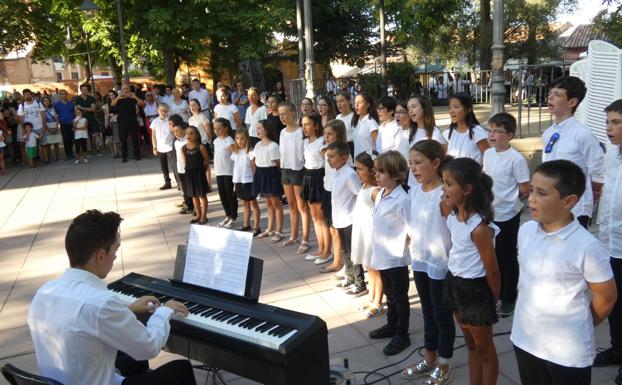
x: 536, y: 371
x: 615, y: 318
x: 128, y: 129
x: 505, y: 248
x: 67, y: 133
x: 177, y: 372
x: 228, y: 197
x: 166, y: 161
x: 80, y: 145
x: 187, y: 199
x: 439, y: 330
x: 354, y: 271
x: 173, y: 164
x: 395, y: 283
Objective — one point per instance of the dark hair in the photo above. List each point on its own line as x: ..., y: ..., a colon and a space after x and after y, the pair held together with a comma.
x: 88, y: 86
x: 575, y: 88
x: 340, y: 128
x: 370, y: 110
x: 616, y: 106
x: 366, y: 159
x: 341, y: 148
x: 196, y: 133
x: 114, y: 92
x: 505, y: 120
x: 471, y: 119
x: 331, y: 106
x: 345, y: 94
x: 466, y: 171
x: 388, y: 102
x: 432, y: 150
x: 569, y: 178
x: 26, y: 90
x: 176, y: 119
x: 271, y: 131
x: 89, y: 232
x: 48, y: 99
x: 393, y: 163
x: 195, y: 80
x: 276, y: 96
x: 27, y: 124
x: 428, y: 117
x: 226, y: 123
x: 316, y: 119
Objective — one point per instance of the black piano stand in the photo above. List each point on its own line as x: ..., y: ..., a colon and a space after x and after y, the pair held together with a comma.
x: 210, y: 370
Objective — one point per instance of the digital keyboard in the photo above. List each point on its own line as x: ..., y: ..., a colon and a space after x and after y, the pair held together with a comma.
x: 256, y: 341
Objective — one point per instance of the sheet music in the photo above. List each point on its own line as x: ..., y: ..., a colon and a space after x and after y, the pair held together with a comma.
x: 217, y: 258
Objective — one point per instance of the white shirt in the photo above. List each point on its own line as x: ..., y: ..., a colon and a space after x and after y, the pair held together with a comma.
x: 200, y: 121
x: 265, y: 156
x: 181, y: 164
x: 223, y: 165
x: 163, y: 134
x: 363, y: 140
x: 32, y: 113
x: 251, y: 119
x: 461, y: 146
x: 2, y: 144
x: 329, y: 173
x: 292, y: 149
x: 402, y: 142
x: 151, y: 110
x: 422, y: 134
x: 347, y: 121
x: 507, y: 169
x: 390, y: 224
x: 312, y: 153
x: 228, y: 112
x: 464, y: 258
x: 77, y: 327
x: 168, y: 99
x: 242, y: 170
x: 430, y: 240
x: 552, y: 319
x: 387, y: 137
x: 577, y: 144
x: 31, y: 140
x: 346, y: 185
x: 203, y: 96
x: 610, y: 208
x: 180, y: 109
x: 81, y: 132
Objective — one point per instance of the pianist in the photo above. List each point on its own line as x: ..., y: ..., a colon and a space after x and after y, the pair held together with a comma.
x: 78, y: 326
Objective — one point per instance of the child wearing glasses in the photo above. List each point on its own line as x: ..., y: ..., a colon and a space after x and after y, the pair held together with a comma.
x: 508, y: 168
x: 569, y: 139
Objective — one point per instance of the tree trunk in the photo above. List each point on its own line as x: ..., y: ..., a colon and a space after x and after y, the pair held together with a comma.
x: 531, y: 46
x: 170, y: 66
x: 485, y: 36
x: 214, y: 65
x: 116, y: 70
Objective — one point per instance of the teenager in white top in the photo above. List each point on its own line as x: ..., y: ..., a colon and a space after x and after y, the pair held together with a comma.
x: 162, y: 139
x: 365, y: 123
x: 402, y: 138
x: 510, y: 173
x: 387, y: 137
x: 255, y: 112
x: 326, y: 109
x: 344, y: 105
x: 421, y: 113
x: 292, y: 161
x: 565, y: 287
x: 202, y: 96
x: 226, y: 110
x: 569, y: 139
x: 243, y: 180
x: 474, y: 282
x: 610, y: 230
x: 430, y: 243
x: 198, y: 120
x: 467, y: 139
x: 390, y: 228
x: 223, y: 167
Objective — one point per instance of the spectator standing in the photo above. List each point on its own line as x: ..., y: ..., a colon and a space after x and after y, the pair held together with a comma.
x: 202, y: 96
x: 178, y: 106
x: 127, y: 104
x: 65, y: 110
x: 33, y: 112
x: 239, y: 98
x: 86, y: 103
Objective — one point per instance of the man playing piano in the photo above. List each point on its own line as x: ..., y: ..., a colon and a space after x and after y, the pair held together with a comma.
x: 78, y: 327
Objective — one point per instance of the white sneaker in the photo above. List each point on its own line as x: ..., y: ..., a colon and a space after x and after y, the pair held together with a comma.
x: 77, y: 161
x: 229, y: 224
x: 223, y: 222
x: 86, y: 160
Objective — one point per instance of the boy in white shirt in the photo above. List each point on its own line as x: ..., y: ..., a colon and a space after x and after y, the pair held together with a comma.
x: 162, y: 139
x: 510, y: 173
x: 565, y: 287
x: 569, y: 139
x: 610, y: 231
x: 180, y: 141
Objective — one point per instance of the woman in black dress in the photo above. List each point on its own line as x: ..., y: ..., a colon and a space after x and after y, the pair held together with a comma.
x: 196, y: 159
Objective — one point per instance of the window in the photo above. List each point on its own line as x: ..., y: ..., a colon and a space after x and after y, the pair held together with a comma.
x: 74, y: 76
x: 59, y: 76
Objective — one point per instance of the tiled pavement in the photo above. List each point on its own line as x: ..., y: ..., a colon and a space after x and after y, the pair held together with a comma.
x: 37, y: 206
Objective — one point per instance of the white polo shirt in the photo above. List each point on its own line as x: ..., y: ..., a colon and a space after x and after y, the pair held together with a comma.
x: 223, y: 165
x: 390, y: 224
x: 242, y: 170
x: 347, y: 121
x: 464, y: 258
x: 363, y: 141
x: 163, y: 134
x: 610, y: 208
x: 552, y: 318
x: 507, y: 169
x: 577, y: 144
x: 346, y: 186
x: 203, y: 96
x: 292, y: 149
x: 265, y: 156
x: 460, y: 145
x: 312, y: 153
x: 387, y: 137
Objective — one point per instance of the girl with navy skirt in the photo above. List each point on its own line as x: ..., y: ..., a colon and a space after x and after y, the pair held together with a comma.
x: 243, y: 179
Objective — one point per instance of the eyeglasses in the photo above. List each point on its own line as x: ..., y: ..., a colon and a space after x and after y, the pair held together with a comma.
x: 497, y: 132
x: 552, y: 141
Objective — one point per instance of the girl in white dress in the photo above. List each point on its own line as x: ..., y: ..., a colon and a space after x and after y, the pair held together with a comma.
x: 467, y: 139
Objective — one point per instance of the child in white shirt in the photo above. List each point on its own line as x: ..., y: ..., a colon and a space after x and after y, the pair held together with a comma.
x: 467, y: 139
x: 30, y: 140
x: 223, y: 168
x: 388, y: 136
x: 243, y: 179
x: 80, y: 129
x: 180, y: 141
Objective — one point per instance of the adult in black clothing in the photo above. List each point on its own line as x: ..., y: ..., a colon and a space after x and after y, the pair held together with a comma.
x: 274, y: 121
x: 127, y: 106
x: 86, y: 103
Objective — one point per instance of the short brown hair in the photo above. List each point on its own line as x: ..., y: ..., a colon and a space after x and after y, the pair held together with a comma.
x: 393, y: 163
x: 89, y: 232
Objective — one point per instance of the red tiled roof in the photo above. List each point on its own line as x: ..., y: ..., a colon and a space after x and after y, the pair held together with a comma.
x: 582, y: 35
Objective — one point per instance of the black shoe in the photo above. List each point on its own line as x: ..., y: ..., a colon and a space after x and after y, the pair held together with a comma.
x: 256, y: 232
x: 357, y: 291
x: 506, y: 310
x: 186, y: 211
x: 383, y: 332
x: 166, y: 186
x: 124, y: 160
x: 397, y: 345
x: 608, y: 357
x: 283, y: 201
x: 245, y: 228
x: 618, y: 380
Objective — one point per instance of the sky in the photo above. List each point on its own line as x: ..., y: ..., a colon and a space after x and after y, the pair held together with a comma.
x: 584, y: 13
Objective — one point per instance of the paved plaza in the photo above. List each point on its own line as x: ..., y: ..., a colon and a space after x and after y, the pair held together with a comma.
x: 36, y: 207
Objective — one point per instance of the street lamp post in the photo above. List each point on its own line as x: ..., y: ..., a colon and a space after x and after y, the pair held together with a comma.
x: 301, y: 44
x: 126, y: 66
x: 383, y: 49
x: 498, y: 82
x: 310, y: 63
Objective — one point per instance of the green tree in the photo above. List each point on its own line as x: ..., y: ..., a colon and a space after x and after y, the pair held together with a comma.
x: 611, y: 22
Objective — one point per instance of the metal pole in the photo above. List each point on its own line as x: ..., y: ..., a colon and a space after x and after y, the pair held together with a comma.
x: 383, y: 49
x: 309, y: 63
x: 498, y: 84
x: 126, y: 66
x: 301, y: 42
x: 90, y: 64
